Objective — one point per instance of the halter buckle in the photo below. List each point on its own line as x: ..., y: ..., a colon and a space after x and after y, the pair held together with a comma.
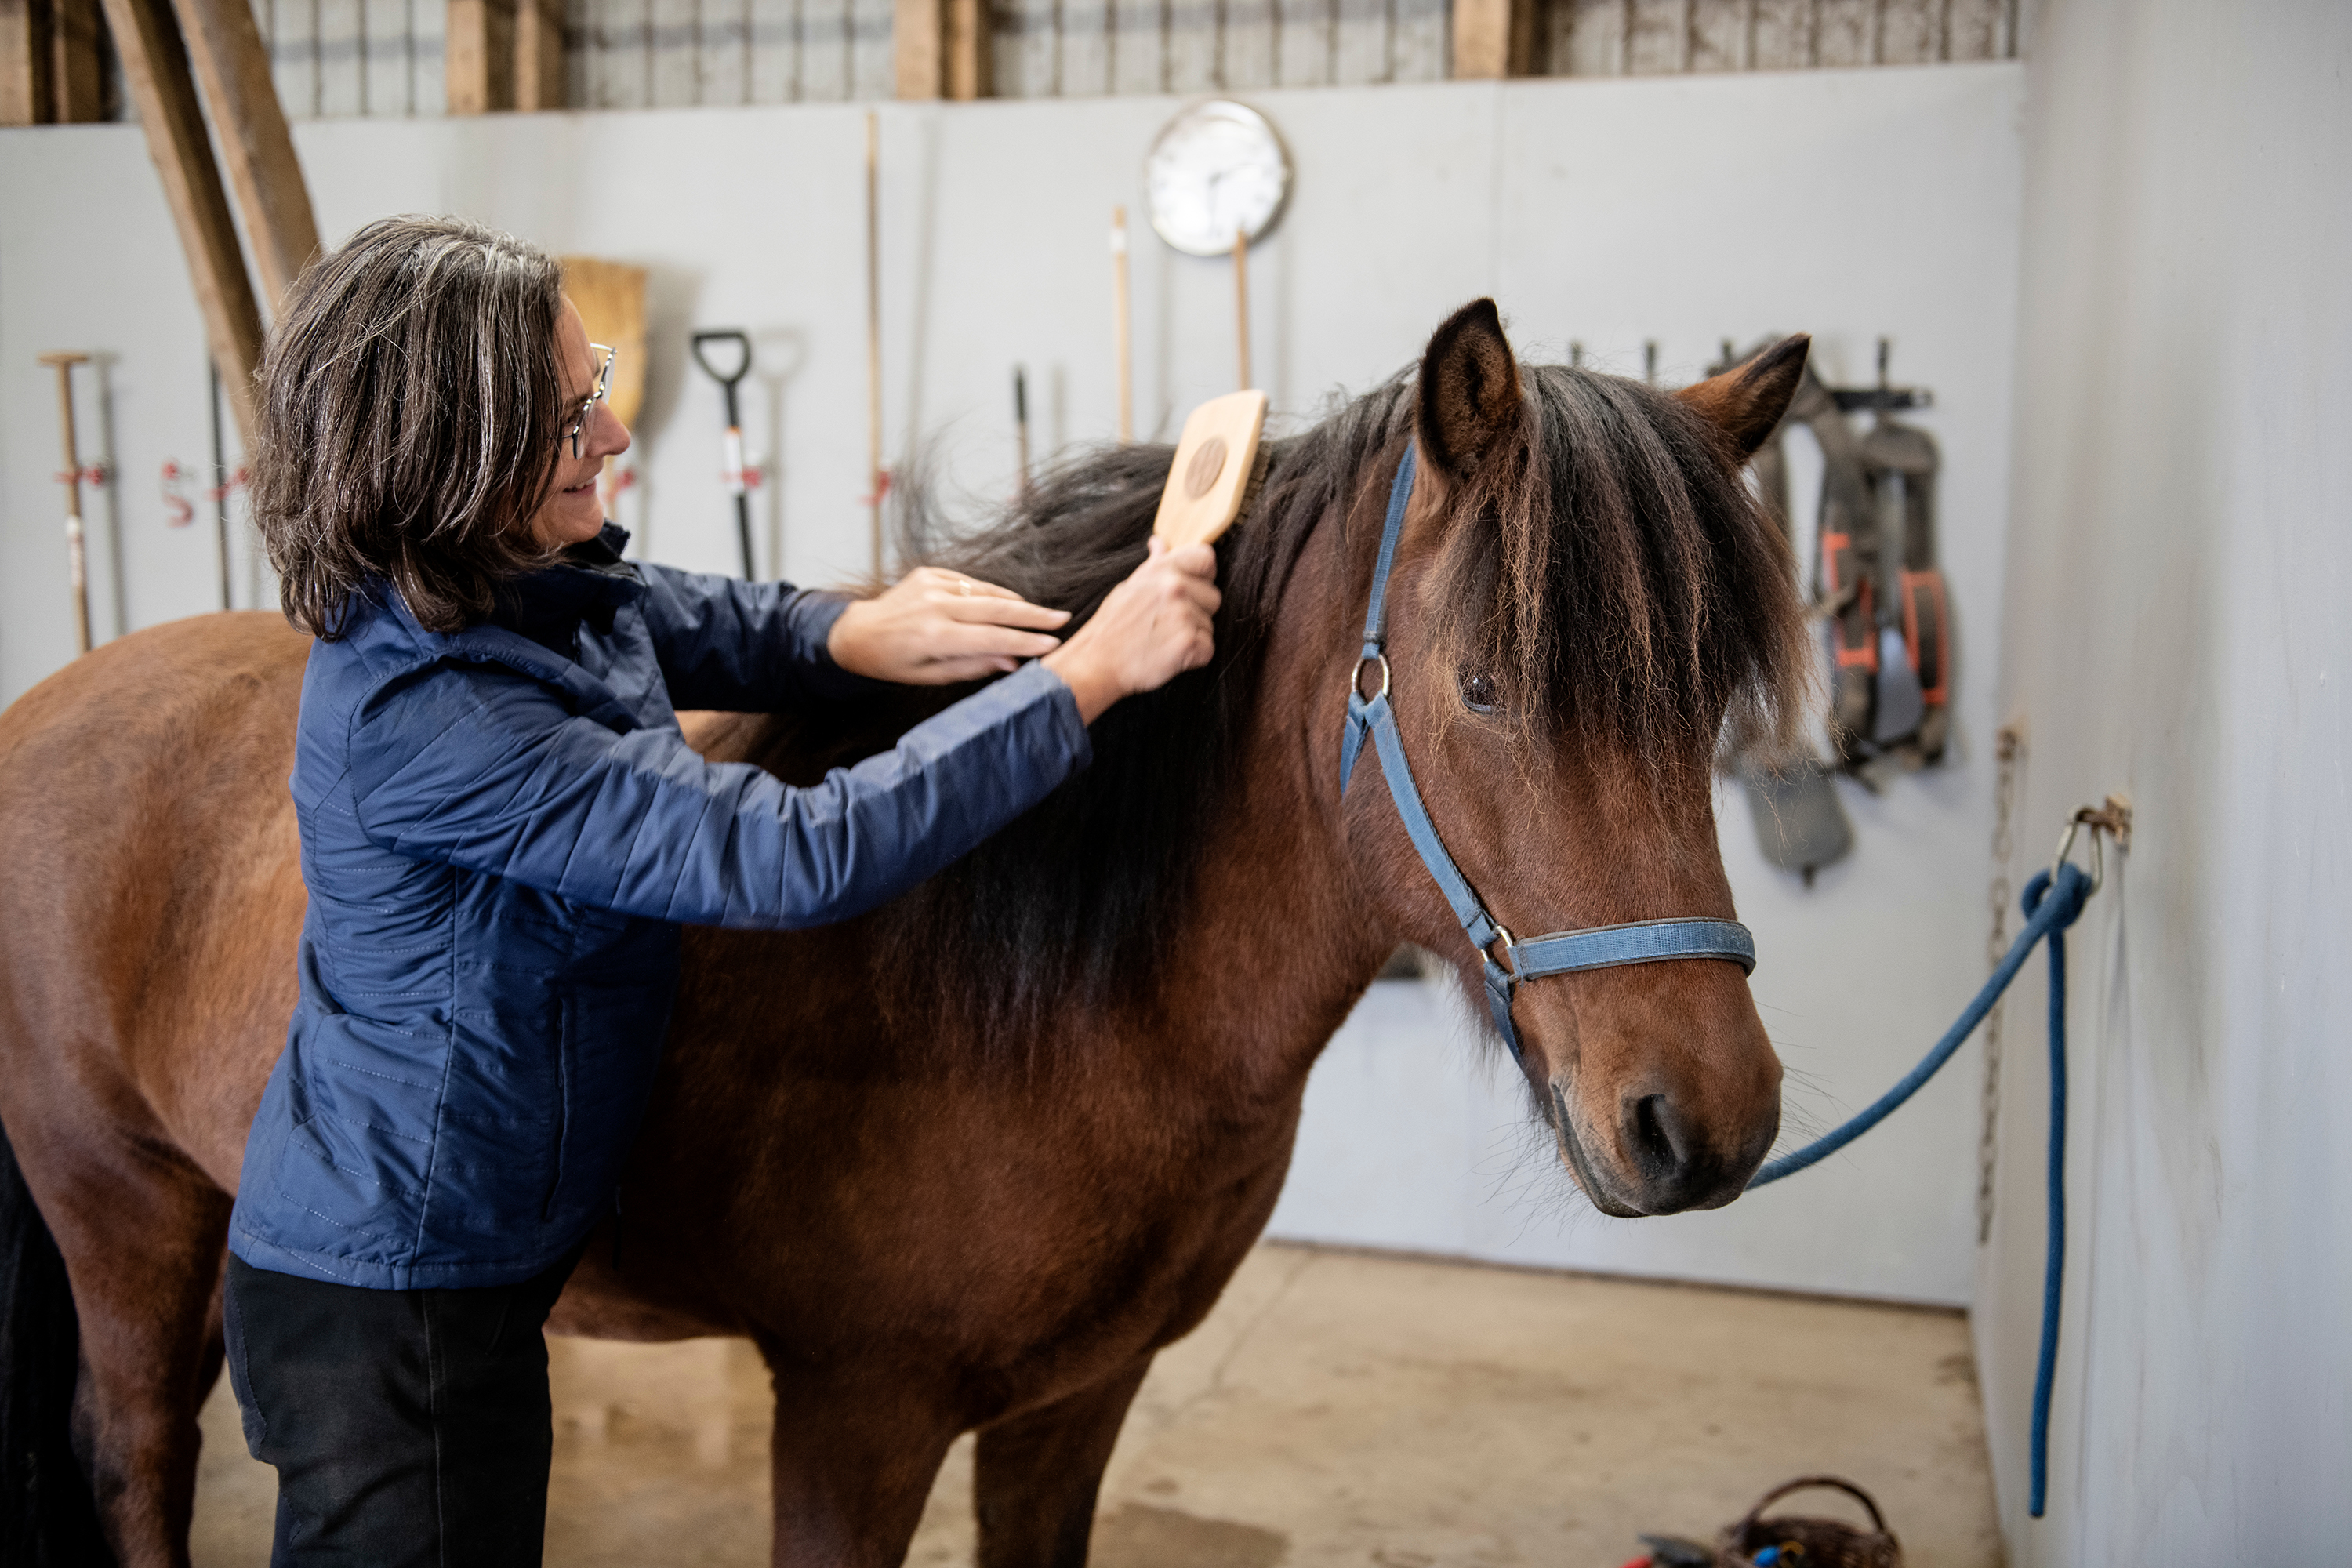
x: 1510, y: 950
x: 1356, y: 678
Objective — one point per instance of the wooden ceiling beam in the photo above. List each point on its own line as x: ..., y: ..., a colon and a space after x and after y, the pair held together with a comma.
x: 155, y: 66
x: 1493, y: 38
x: 481, y: 55
x: 25, y: 58
x: 233, y: 65
x: 941, y: 48
x: 539, y: 76
x: 76, y: 63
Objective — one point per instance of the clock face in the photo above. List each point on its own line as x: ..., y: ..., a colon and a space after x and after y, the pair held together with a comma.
x: 1217, y: 171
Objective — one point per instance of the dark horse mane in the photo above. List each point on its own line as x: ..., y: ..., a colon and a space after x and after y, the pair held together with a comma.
x: 1622, y: 585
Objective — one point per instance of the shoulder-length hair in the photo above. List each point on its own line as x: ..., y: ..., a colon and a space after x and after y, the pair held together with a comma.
x: 410, y: 408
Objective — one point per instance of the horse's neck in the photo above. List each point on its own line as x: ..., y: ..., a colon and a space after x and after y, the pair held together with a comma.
x: 1276, y: 945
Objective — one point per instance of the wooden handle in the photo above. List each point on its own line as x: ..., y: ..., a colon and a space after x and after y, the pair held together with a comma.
x: 77, y: 567
x: 1241, y: 303
x: 874, y: 336
x: 1119, y: 324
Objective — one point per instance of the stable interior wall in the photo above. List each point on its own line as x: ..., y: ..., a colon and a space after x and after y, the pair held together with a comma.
x: 2180, y: 554
x: 1680, y: 210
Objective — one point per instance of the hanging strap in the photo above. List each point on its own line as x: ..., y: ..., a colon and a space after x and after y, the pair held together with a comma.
x: 1847, y: 569
x: 1906, y: 455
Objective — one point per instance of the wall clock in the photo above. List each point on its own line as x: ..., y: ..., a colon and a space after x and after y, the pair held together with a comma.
x: 1217, y: 170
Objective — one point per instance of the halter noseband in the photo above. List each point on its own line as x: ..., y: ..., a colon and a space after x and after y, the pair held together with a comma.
x: 1560, y: 952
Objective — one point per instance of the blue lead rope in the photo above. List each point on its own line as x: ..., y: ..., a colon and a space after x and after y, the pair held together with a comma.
x: 2046, y: 919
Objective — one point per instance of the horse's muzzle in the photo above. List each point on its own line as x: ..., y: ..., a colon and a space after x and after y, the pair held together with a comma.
x: 1665, y: 1165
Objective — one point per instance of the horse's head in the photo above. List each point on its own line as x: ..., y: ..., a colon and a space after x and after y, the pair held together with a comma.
x: 1586, y: 605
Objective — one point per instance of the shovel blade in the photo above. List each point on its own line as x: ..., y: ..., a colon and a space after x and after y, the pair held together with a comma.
x: 1799, y: 824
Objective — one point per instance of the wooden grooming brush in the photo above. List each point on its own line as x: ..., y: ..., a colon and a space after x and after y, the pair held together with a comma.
x: 1216, y: 460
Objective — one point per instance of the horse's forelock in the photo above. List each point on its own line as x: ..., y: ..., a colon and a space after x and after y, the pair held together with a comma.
x: 1613, y: 575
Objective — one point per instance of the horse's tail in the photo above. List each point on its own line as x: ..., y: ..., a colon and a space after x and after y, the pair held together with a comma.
x: 48, y: 1518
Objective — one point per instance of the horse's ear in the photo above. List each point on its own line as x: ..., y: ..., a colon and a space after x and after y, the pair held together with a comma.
x: 1470, y: 397
x: 1747, y: 401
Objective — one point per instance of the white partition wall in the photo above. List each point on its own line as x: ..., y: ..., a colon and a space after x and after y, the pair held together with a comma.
x: 1683, y: 210
x: 2181, y: 544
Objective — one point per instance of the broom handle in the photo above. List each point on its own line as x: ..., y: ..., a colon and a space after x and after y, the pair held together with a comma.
x: 1121, y: 326
x: 77, y: 553
x: 874, y: 337
x: 1241, y: 301
x: 220, y: 485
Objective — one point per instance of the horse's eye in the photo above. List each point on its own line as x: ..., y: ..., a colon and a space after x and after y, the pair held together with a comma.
x: 1478, y: 693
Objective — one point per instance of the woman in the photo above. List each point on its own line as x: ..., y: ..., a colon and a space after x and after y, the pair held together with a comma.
x: 502, y: 829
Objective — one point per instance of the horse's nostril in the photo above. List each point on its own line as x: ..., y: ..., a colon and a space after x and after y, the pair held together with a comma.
x: 1656, y: 1140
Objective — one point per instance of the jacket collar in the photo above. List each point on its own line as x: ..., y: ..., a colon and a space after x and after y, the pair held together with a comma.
x: 599, y: 580
x: 588, y: 582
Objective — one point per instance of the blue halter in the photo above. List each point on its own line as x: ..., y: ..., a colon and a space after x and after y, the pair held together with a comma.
x: 1561, y: 953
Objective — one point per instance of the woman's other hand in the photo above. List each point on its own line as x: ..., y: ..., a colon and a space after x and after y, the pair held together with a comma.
x: 934, y: 629
x: 1152, y: 627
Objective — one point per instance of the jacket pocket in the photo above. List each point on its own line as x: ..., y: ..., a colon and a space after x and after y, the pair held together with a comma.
x: 610, y: 1044
x: 564, y: 1058
x: 502, y: 1122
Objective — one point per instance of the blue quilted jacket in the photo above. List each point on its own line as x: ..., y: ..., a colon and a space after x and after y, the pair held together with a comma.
x: 502, y: 832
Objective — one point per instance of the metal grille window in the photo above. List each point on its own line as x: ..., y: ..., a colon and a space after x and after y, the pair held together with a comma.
x: 1069, y: 48
x: 1651, y: 38
x: 340, y: 59
x: 346, y: 57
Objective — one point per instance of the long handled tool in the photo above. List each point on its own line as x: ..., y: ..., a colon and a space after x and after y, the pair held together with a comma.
x: 77, y: 554
x: 220, y: 487
x: 1119, y: 328
x: 728, y: 381
x: 1241, y: 303
x: 1021, y: 423
x: 878, y: 481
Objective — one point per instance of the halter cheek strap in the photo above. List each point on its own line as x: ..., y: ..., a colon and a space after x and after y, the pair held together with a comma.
x: 1560, y: 952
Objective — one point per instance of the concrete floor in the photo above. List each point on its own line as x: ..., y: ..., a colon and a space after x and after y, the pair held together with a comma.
x: 1336, y: 1409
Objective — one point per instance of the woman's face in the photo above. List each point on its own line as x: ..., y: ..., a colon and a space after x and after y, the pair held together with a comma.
x: 572, y: 513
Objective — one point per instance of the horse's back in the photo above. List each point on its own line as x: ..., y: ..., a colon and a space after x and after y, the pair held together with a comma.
x: 153, y: 896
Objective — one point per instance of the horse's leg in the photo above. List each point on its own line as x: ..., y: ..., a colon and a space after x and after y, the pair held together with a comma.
x: 1035, y: 1477
x: 852, y: 1464
x: 142, y: 1234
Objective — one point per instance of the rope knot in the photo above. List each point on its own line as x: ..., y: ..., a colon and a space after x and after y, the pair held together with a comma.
x: 2072, y: 888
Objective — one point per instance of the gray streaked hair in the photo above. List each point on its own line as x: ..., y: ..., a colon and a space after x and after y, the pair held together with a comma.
x: 410, y: 406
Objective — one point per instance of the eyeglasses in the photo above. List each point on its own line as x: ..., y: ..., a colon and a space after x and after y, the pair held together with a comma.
x: 576, y: 436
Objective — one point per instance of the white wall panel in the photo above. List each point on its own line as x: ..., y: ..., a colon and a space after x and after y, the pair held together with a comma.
x: 2180, y: 550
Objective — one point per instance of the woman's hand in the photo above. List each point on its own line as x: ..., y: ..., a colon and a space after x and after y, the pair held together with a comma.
x: 934, y: 629
x: 1151, y: 629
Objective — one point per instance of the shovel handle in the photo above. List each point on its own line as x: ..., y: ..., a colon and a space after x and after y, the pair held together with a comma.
x: 742, y: 343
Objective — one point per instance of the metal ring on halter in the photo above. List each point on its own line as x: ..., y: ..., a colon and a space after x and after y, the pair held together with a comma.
x: 2066, y: 847
x: 1356, y: 680
x: 1510, y: 950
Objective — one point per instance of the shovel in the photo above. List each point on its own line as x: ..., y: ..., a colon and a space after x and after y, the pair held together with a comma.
x: 1799, y: 824
x: 728, y: 381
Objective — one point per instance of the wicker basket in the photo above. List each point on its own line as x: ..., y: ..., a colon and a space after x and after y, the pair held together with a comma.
x: 1811, y: 1542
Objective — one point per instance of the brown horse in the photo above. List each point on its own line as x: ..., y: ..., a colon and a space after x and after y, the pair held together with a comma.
x: 969, y: 1161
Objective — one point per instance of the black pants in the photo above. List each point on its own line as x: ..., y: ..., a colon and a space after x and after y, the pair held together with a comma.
x: 406, y: 1427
